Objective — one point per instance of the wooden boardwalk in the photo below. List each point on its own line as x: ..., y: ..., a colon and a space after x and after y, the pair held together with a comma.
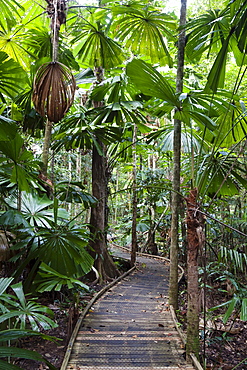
x: 130, y: 327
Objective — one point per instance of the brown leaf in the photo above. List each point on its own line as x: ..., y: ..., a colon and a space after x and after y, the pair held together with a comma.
x: 53, y: 90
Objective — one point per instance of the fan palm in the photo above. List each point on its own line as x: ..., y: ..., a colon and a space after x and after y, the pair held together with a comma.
x: 95, y: 48
x: 54, y: 84
x: 9, y: 11
x: 12, y: 76
x: 219, y: 31
x: 197, y: 106
x: 143, y: 30
x: 18, y: 163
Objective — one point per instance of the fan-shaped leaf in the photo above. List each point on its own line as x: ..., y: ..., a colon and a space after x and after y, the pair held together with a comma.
x: 11, y: 77
x: 96, y: 49
x: 144, y: 32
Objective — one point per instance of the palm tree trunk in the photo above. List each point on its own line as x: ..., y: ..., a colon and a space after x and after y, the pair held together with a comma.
x: 175, y: 204
x: 195, y: 232
x: 56, y: 11
x: 134, y: 202
x: 46, y: 146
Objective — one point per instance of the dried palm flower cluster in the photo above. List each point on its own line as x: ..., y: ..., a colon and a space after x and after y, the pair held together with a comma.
x: 60, y: 6
x: 53, y: 90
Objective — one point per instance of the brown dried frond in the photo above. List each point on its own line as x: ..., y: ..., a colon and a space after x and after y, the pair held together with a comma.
x: 53, y: 90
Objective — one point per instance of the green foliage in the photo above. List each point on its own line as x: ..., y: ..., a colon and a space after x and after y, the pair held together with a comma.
x: 151, y: 82
x: 63, y: 249
x: 82, y: 129
x: 142, y: 29
x: 218, y: 271
x: 12, y: 77
x: 234, y: 258
x: 9, y: 10
x: 14, y: 352
x: 237, y: 304
x: 18, y: 163
x: 207, y: 33
x: 45, y: 238
x: 23, y: 311
x: 219, y: 31
x: 52, y: 280
x: 73, y: 192
x: 35, y: 209
x: 94, y: 48
x: 220, y: 174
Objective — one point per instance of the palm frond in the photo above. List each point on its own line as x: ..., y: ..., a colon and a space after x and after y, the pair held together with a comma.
x: 96, y: 49
x: 11, y: 76
x: 144, y: 32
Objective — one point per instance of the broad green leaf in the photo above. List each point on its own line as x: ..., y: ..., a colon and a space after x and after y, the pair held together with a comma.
x: 18, y: 289
x: 207, y: 33
x: 4, y: 283
x: 96, y: 49
x: 143, y: 32
x: 22, y: 353
x: 64, y: 251
x: 52, y: 279
x: 243, y: 313
x: 7, y: 129
x: 231, y: 305
x: 35, y: 209
x: 216, y: 77
x: 149, y: 81
x: 12, y: 77
x: 9, y: 13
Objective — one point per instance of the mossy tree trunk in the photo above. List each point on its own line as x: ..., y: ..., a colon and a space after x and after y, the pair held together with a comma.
x: 195, y: 239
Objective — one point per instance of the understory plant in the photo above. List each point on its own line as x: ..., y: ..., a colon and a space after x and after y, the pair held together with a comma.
x: 19, y: 312
x: 21, y: 317
x: 10, y: 351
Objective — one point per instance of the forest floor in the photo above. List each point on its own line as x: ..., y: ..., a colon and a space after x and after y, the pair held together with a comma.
x: 225, y: 348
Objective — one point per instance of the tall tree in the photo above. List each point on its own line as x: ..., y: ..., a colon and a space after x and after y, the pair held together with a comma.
x: 176, y: 199
x: 102, y: 53
x: 134, y: 201
x: 99, y: 217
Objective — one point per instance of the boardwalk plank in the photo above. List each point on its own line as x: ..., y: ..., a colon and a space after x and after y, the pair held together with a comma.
x: 131, y: 327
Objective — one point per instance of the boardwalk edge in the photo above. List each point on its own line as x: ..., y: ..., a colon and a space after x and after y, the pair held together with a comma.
x: 84, y: 313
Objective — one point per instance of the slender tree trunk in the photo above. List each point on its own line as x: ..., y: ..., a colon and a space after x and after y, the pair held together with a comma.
x: 46, y: 146
x: 134, y: 202
x: 56, y: 11
x: 173, y: 286
x: 195, y: 236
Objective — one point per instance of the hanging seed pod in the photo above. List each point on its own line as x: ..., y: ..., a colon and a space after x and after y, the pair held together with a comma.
x: 53, y: 90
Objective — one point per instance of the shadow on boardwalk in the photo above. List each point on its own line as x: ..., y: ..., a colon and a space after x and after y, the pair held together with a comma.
x: 130, y: 327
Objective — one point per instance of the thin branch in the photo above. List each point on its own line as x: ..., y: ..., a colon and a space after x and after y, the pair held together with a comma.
x: 222, y: 223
